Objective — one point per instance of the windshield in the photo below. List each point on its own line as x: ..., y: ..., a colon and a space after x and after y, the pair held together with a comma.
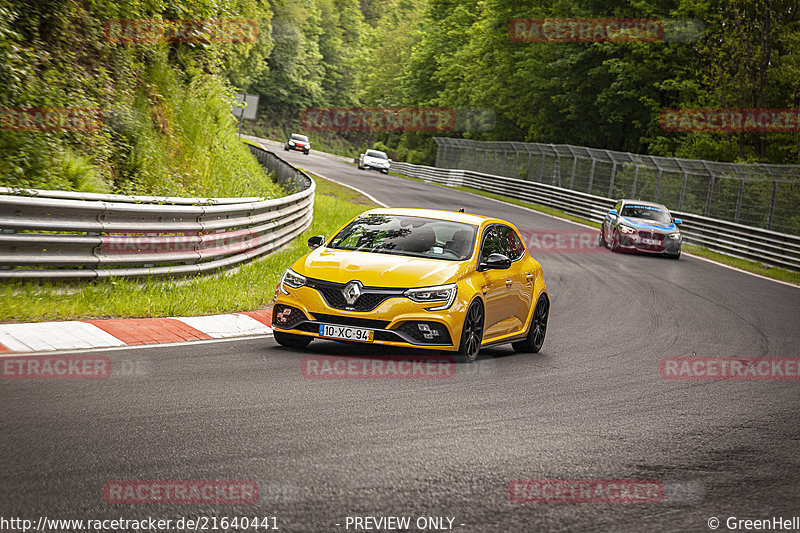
x: 297, y: 137
x: 377, y: 154
x: 410, y: 236
x: 646, y: 212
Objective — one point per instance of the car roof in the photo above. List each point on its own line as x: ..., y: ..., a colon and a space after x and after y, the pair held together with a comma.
x: 452, y: 216
x: 642, y: 202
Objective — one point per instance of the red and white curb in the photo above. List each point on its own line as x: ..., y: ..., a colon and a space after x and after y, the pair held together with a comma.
x: 113, y: 333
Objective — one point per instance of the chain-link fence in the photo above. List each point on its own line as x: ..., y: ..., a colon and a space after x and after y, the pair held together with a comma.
x: 765, y: 196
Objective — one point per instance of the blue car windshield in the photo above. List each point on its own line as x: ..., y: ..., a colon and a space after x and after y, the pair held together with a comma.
x: 646, y: 212
x: 409, y: 236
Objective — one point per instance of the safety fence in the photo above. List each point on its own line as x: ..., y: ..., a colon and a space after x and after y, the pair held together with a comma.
x: 737, y: 240
x: 760, y: 195
x: 70, y: 235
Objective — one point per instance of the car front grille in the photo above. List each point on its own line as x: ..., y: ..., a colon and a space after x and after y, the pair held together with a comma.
x: 371, y: 297
x: 651, y: 235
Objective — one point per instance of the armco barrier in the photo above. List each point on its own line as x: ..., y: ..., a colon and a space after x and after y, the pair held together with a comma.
x: 729, y: 238
x: 67, y: 235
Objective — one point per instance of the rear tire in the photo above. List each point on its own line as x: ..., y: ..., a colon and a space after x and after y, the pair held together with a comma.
x: 535, y: 339
x: 471, y: 334
x: 298, y: 342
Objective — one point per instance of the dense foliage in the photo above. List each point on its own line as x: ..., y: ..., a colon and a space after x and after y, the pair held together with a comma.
x: 167, y: 126
x: 458, y: 53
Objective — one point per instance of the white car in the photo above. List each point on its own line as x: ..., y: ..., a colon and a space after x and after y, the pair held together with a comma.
x: 374, y: 160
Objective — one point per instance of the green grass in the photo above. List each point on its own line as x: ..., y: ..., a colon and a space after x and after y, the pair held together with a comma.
x: 251, y: 287
x: 777, y: 273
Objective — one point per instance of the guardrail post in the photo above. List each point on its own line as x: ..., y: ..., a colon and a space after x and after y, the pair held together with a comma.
x: 658, y: 184
x: 635, y: 178
x: 739, y: 201
x: 611, y: 181
x: 772, y: 203
x: 708, y: 199
x: 683, y: 189
x: 591, y: 176
x: 574, y: 168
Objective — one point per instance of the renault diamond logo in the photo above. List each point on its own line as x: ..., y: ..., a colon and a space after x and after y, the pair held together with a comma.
x: 351, y: 292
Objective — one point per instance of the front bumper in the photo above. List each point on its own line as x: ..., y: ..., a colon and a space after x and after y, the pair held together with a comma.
x: 665, y: 246
x: 375, y: 166
x: 395, y: 321
x: 299, y: 148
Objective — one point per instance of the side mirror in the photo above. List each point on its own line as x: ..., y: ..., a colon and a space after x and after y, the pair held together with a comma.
x: 316, y: 241
x: 390, y: 160
x: 678, y: 221
x: 612, y: 212
x: 495, y: 261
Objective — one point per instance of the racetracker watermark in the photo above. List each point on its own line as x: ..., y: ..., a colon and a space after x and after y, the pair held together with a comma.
x: 585, y: 491
x: 50, y: 118
x: 733, y: 368
x: 724, y: 120
x: 56, y: 367
x: 396, y: 119
x: 180, y: 492
x: 562, y: 241
x: 393, y: 367
x: 602, y: 30
x: 195, y: 31
x: 221, y: 243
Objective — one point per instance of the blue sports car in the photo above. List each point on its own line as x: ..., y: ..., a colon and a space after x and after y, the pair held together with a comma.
x: 637, y: 226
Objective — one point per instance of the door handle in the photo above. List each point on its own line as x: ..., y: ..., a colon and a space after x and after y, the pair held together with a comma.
x: 508, y: 282
x: 529, y: 276
x: 485, y: 288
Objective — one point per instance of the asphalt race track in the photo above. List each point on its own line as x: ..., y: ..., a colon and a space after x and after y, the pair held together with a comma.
x: 592, y: 405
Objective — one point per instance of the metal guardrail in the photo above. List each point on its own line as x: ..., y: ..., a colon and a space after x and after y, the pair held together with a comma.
x: 67, y: 235
x: 729, y: 238
x: 760, y: 195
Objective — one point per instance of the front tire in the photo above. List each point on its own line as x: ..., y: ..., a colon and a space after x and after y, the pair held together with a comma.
x: 602, y: 240
x: 306, y: 152
x: 384, y: 171
x: 675, y: 256
x: 535, y: 339
x: 471, y: 334
x: 285, y: 148
x: 298, y: 342
x: 615, y: 241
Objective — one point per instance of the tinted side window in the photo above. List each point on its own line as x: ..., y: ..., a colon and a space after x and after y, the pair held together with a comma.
x: 492, y: 243
x: 513, y: 244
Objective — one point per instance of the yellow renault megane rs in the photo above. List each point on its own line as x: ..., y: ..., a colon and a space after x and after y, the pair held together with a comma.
x: 416, y: 278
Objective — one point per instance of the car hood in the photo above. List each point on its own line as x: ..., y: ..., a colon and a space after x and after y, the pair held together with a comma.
x: 378, y: 270
x: 375, y: 159
x: 649, y: 224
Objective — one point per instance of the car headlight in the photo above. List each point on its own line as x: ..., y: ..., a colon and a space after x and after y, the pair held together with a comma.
x: 675, y: 236
x: 291, y: 279
x: 291, y: 143
x: 439, y: 293
x: 626, y: 229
